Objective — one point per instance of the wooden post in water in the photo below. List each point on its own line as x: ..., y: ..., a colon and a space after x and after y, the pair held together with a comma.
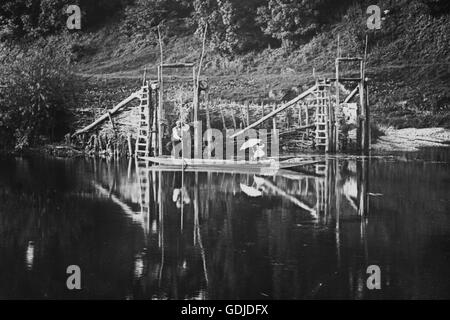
x: 160, y: 111
x: 154, y: 126
x: 195, y: 99
x: 362, y: 101
x: 160, y: 93
x: 369, y: 133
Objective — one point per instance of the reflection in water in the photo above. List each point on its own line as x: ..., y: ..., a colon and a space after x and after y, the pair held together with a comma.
x: 139, y: 232
x: 30, y: 255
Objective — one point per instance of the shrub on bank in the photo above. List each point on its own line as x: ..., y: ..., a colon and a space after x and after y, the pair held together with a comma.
x: 39, y: 91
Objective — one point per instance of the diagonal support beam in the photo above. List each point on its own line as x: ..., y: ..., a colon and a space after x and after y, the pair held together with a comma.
x: 351, y: 95
x: 135, y: 95
x: 276, y: 111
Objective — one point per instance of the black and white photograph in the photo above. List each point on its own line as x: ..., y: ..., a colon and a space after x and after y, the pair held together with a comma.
x: 249, y: 151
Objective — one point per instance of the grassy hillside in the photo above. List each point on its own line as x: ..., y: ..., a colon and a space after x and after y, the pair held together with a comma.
x: 408, y: 62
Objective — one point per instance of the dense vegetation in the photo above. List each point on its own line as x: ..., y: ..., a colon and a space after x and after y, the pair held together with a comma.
x: 41, y: 89
x: 262, y: 44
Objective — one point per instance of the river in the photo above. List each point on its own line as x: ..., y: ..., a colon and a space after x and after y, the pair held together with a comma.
x: 138, y: 233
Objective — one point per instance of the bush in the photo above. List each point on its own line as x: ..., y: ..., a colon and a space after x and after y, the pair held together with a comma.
x: 25, y: 18
x: 40, y: 91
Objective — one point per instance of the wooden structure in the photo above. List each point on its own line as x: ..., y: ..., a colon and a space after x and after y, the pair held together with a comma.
x: 322, y: 104
x: 319, y: 110
x: 158, y: 148
x: 149, y: 140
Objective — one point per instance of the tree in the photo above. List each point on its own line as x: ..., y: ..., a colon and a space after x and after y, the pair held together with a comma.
x: 41, y: 89
x: 231, y: 25
x: 19, y: 18
x: 289, y: 20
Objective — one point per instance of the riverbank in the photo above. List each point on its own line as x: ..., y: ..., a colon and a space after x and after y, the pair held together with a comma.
x: 411, y: 139
x: 407, y: 139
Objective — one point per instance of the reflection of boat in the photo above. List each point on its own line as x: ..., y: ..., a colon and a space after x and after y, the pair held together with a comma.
x: 229, y: 164
x: 250, y: 191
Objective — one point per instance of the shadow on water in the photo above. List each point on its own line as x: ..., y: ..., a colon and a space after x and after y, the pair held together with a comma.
x: 140, y: 233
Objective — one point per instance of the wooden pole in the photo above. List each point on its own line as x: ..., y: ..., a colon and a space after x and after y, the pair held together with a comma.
x: 242, y: 116
x: 208, y: 116
x: 195, y: 98
x: 149, y: 120
x: 338, y: 101
x: 247, y: 110
x: 130, y: 147
x: 274, y: 120
x: 366, y: 100
x: 197, y: 80
x: 223, y: 117
x: 160, y: 108
x: 161, y: 92
x: 300, y: 114
x: 363, y: 121
x: 369, y: 133
x: 234, y: 119
x: 154, y: 127
x: 144, y: 79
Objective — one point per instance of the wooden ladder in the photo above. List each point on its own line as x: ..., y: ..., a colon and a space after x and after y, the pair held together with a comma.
x: 321, y: 103
x: 143, y: 137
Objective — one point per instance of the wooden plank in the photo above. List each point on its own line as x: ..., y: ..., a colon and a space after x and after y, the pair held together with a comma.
x: 178, y: 65
x: 351, y: 95
x: 276, y: 111
x: 346, y: 79
x: 350, y: 59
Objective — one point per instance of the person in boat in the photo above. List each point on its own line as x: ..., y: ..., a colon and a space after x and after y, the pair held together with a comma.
x: 258, y: 152
x: 210, y: 148
x: 177, y: 135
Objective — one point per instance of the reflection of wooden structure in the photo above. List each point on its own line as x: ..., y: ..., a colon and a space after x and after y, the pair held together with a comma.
x: 218, y: 204
x: 194, y: 254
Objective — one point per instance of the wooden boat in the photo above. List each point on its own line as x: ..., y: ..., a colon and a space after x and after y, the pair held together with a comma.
x: 229, y: 165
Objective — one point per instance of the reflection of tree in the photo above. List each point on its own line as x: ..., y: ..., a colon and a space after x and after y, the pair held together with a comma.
x: 67, y: 225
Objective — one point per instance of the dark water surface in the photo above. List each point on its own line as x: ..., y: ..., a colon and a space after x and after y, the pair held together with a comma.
x: 238, y: 236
